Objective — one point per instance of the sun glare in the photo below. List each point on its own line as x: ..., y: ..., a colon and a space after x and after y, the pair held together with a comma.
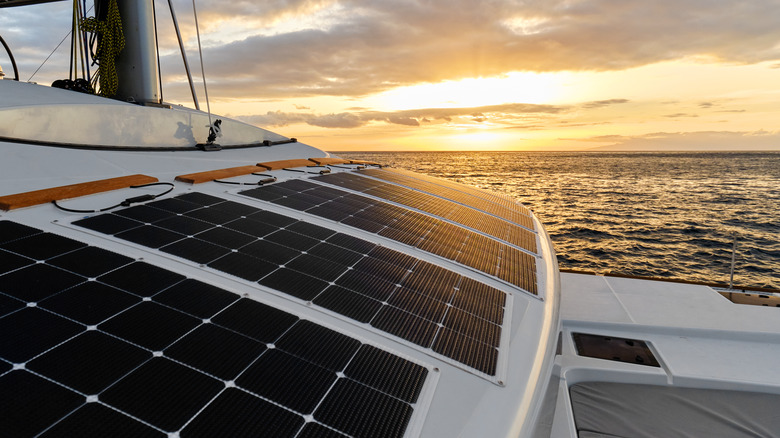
x: 515, y: 87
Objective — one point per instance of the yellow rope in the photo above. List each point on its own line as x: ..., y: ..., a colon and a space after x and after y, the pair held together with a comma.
x: 111, y: 42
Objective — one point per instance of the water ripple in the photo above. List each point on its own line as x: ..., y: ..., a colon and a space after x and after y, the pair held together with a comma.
x: 672, y: 215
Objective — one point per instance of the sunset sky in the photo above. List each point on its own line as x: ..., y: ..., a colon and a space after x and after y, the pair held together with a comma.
x: 466, y: 74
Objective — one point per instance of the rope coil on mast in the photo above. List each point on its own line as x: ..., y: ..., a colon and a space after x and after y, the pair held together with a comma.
x: 111, y: 42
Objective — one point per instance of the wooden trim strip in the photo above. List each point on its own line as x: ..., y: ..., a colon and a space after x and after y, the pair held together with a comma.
x: 211, y: 175
x: 327, y: 160
x: 37, y: 197
x: 285, y: 164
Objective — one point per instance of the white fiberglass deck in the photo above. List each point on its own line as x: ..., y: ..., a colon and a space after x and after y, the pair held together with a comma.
x: 702, y: 341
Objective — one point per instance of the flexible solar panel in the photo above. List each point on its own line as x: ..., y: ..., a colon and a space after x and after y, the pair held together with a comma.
x: 494, y: 257
x: 110, y: 346
x: 445, y: 202
x: 357, y: 279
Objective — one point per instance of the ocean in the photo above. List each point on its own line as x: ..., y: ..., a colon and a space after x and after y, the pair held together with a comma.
x: 654, y: 214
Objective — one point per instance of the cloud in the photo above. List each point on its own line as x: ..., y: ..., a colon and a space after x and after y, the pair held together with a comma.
x: 374, y: 45
x: 296, y: 48
x: 699, y: 140
x: 680, y: 115
x: 499, y: 113
x: 603, y: 103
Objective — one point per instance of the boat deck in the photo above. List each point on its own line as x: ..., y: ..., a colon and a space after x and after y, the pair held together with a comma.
x: 700, y: 339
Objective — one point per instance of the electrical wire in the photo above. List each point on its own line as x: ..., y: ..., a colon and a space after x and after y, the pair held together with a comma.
x: 127, y: 202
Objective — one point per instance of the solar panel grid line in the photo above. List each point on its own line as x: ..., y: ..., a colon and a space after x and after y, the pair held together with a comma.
x: 410, y: 178
x: 325, y: 297
x: 441, y: 207
x: 497, y: 198
x: 468, y: 196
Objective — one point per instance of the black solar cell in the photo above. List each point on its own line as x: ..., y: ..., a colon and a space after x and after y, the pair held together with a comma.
x: 8, y: 305
x: 38, y: 281
x: 143, y: 213
x: 302, y: 259
x: 31, y: 331
x: 150, y: 325
x: 237, y: 414
x: 155, y: 367
x: 94, y: 420
x: 216, y: 351
x: 90, y: 261
x: 336, y: 254
x: 316, y: 430
x: 163, y: 393
x: 350, y: 304
x: 174, y: 205
x: 319, y: 345
x: 405, y: 325
x: 256, y: 320
x: 366, y: 284
x: 108, y: 223
x: 224, y: 237
x: 476, y: 354
x: 251, y: 226
x: 197, y: 250
x: 295, y: 283
x: 287, y: 380
x: 317, y: 267
x: 90, y: 362
x: 200, y: 198
x: 292, y: 240
x: 42, y: 246
x: 10, y: 261
x: 141, y: 279
x: 11, y: 231
x: 89, y: 303
x: 30, y: 403
x: 150, y: 235
x: 243, y: 266
x: 353, y: 408
x: 383, y: 371
x: 214, y: 215
x: 196, y: 298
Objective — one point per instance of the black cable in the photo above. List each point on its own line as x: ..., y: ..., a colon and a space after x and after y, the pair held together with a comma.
x: 259, y: 183
x: 321, y: 172
x: 359, y: 167
x: 127, y: 202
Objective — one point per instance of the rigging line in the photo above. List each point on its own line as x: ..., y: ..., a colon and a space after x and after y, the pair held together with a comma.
x: 184, y: 56
x: 202, y: 69
x: 47, y: 58
x: 157, y: 50
x: 52, y: 52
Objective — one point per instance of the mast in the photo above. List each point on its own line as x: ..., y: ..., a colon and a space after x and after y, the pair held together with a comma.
x: 136, y: 65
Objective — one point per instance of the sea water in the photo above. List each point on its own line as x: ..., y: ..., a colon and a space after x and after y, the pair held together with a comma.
x: 670, y: 215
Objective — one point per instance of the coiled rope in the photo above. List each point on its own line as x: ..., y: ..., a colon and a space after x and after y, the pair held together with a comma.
x: 110, y: 43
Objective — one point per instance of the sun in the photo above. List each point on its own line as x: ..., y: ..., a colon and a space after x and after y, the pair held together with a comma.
x: 515, y: 87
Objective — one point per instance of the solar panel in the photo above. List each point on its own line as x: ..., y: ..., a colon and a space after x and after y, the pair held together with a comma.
x: 139, y: 348
x: 354, y: 278
x: 491, y: 221
x: 425, y: 232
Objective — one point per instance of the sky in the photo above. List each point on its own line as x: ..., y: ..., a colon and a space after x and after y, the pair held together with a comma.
x: 466, y: 74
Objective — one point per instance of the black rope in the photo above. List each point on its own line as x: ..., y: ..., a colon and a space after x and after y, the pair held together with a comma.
x: 11, y: 55
x: 127, y: 202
